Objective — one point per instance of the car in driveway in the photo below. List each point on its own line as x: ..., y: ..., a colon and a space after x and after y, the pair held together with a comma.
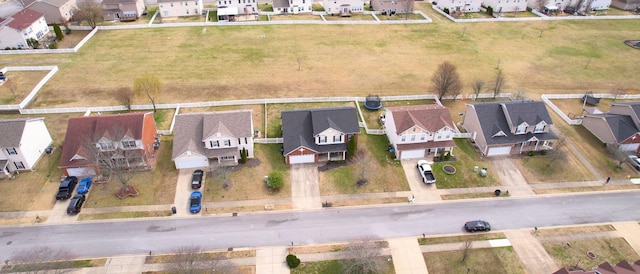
x: 635, y: 162
x: 84, y: 185
x: 195, y: 202
x: 196, y: 179
x: 424, y: 168
x: 65, y: 190
x: 75, y: 204
x: 477, y: 225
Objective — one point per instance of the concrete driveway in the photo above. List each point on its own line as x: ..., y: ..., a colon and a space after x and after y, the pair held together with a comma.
x: 59, y: 214
x: 421, y: 191
x: 183, y: 191
x: 305, y: 190
x: 510, y: 176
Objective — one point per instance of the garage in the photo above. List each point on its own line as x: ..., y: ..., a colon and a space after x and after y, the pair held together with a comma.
x: 81, y: 171
x: 629, y: 147
x: 191, y: 162
x: 495, y: 151
x: 411, y: 154
x: 301, y: 159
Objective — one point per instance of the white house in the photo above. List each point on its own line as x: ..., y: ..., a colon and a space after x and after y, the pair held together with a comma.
x: 292, y: 6
x: 22, y: 143
x: 243, y: 6
x: 16, y: 29
x: 577, y: 5
x: 460, y: 5
x: 343, y: 7
x: 500, y: 6
x: 175, y: 8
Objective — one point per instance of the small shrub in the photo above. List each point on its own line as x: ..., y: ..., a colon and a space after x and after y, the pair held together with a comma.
x: 446, y: 10
x: 67, y: 30
x: 529, y: 9
x: 275, y: 180
x: 532, y: 153
x: 490, y: 10
x: 243, y: 156
x: 544, y: 152
x: 58, y: 31
x: 53, y: 45
x: 293, y: 261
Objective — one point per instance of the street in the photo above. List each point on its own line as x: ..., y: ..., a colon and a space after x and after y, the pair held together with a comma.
x: 118, y: 237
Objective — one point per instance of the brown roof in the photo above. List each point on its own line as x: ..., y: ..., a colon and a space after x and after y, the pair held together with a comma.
x: 11, y: 131
x: 93, y: 128
x: 428, y: 117
x: 24, y: 18
x: 623, y: 267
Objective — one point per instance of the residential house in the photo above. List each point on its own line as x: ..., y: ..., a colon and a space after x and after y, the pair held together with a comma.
x: 617, y: 128
x: 122, y: 10
x: 218, y: 137
x: 578, y: 5
x: 343, y: 7
x: 418, y: 131
x: 243, y: 7
x: 460, y: 5
x: 393, y: 6
x: 22, y: 143
x: 292, y: 6
x: 501, y: 6
x: 55, y: 11
x: 626, y: 4
x: 622, y: 267
x: 318, y: 135
x: 503, y: 128
x: 16, y: 29
x: 124, y: 139
x: 175, y: 8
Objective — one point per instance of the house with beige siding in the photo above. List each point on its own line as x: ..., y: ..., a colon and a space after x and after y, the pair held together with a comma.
x: 619, y: 128
x: 174, y: 8
x: 501, y: 6
x: 393, y: 6
x: 122, y: 10
x: 343, y: 7
x: 55, y: 11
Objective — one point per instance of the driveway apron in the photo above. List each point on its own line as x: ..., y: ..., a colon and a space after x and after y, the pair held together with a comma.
x: 407, y: 257
x: 420, y: 191
x: 511, y: 178
x: 59, y: 214
x: 305, y: 190
x: 531, y: 252
x: 271, y: 260
x: 183, y: 191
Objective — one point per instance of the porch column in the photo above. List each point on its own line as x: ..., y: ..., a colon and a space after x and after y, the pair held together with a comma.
x: 537, y: 142
x: 521, y: 146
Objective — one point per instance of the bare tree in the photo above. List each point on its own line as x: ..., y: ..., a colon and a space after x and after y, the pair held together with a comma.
x: 519, y: 94
x: 498, y: 83
x: 364, y: 168
x: 124, y: 95
x: 446, y: 80
x: 466, y: 248
x: 616, y: 92
x: 192, y: 259
x: 12, y: 86
x: 149, y: 85
x: 620, y: 155
x: 477, y: 87
x: 363, y: 257
x: 557, y: 152
x: 89, y: 11
x: 42, y: 259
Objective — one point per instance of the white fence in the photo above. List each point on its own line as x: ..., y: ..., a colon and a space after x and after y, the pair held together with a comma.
x: 546, y: 98
x: 268, y: 140
x: 541, y: 18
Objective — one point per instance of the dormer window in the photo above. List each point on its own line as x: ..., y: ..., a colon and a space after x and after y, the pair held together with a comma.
x: 128, y: 144
x: 521, y: 129
x: 539, y: 128
x: 106, y: 146
x: 337, y: 138
x: 499, y: 134
x: 214, y: 143
x: 322, y: 139
x: 227, y: 143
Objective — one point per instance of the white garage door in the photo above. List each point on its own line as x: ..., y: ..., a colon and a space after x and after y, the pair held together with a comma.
x: 411, y: 154
x: 494, y: 151
x: 191, y: 162
x: 629, y: 147
x: 81, y: 171
x: 301, y: 159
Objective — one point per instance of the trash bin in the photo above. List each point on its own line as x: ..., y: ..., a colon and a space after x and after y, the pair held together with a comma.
x: 475, y: 168
x: 497, y: 192
x: 173, y: 210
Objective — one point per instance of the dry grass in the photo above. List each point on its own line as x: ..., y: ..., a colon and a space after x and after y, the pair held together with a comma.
x: 611, y: 250
x: 257, y: 208
x: 23, y: 82
x: 538, y: 170
x: 573, y: 230
x: 159, y: 259
x: 124, y: 215
x: 354, y: 202
x: 483, y: 260
x: 193, y: 70
x: 274, y: 117
x: 71, y: 40
x: 311, y: 249
x: 294, y: 17
x: 585, y: 189
x: 460, y: 239
x: 411, y: 16
x: 470, y: 196
x: 353, y: 17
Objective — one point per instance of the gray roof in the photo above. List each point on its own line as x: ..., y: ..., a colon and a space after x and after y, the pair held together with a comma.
x: 531, y: 112
x: 622, y: 126
x: 635, y: 106
x: 11, y: 132
x: 492, y: 120
x: 281, y: 3
x: 299, y: 127
x: 191, y: 129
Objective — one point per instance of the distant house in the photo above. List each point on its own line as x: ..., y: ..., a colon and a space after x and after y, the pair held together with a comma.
x: 318, y: 135
x: 460, y: 5
x: 561, y: 5
x: 500, y: 6
x: 343, y: 7
x: 418, y: 131
x: 619, y: 127
x: 393, y: 6
x: 503, y: 128
x: 16, y: 29
x: 125, y: 139
x: 626, y: 4
x: 243, y: 7
x: 292, y: 6
x: 175, y: 8
x: 622, y: 267
x: 55, y: 11
x: 22, y: 143
x: 122, y: 10
x: 200, y: 138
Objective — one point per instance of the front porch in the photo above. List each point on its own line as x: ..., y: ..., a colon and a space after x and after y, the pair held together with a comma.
x: 531, y: 146
x: 332, y: 156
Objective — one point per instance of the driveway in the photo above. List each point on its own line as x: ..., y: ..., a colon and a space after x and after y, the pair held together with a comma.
x: 421, y: 191
x: 510, y: 176
x: 305, y: 190
x: 183, y: 191
x: 59, y: 214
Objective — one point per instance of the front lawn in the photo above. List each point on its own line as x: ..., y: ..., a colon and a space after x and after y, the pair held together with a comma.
x: 335, y: 266
x: 540, y: 169
x: 19, y: 85
x: 570, y: 253
x: 466, y: 159
x: 482, y: 260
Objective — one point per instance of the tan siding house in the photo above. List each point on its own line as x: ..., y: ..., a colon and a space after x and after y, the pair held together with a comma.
x: 122, y: 10
x: 55, y: 11
x: 173, y: 8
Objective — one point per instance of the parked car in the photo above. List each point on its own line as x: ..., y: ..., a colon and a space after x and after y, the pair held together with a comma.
x: 75, y: 204
x: 635, y: 162
x: 65, y: 190
x: 84, y: 185
x: 195, y: 202
x: 425, y: 171
x: 196, y: 179
x: 478, y: 225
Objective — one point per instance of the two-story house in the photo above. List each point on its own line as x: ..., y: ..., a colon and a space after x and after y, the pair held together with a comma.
x: 620, y: 127
x: 343, y: 7
x: 503, y: 128
x: 55, y: 11
x: 580, y: 6
x: 26, y: 24
x: 318, y: 135
x: 175, y: 8
x: 460, y: 5
x: 501, y: 6
x: 121, y: 140
x: 393, y: 6
x: 122, y: 10
x: 242, y: 7
x: 418, y: 131
x: 22, y: 143
x: 292, y: 6
x: 214, y: 137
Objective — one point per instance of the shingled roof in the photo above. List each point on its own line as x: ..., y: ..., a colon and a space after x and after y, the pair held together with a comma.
x: 299, y: 127
x: 11, y: 131
x: 531, y: 112
x: 428, y: 117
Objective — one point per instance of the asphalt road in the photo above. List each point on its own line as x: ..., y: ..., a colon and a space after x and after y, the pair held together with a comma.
x: 99, y: 239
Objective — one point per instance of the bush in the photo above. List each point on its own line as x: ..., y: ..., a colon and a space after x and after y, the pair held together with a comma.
x: 351, y: 147
x: 446, y: 10
x: 58, y: 31
x: 532, y: 153
x: 293, y: 261
x: 67, y: 30
x: 529, y: 9
x: 275, y: 180
x: 544, y: 152
x: 490, y: 10
x: 53, y: 45
x: 243, y: 156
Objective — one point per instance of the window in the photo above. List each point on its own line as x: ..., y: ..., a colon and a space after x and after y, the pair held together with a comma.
x: 337, y: 138
x: 403, y: 138
x: 521, y: 129
x: 214, y: 143
x: 322, y: 139
x: 106, y: 146
x: 422, y: 137
x: 18, y: 165
x: 12, y: 151
x: 227, y: 157
x: 129, y: 144
x: 539, y: 128
x: 227, y: 143
x: 413, y: 138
